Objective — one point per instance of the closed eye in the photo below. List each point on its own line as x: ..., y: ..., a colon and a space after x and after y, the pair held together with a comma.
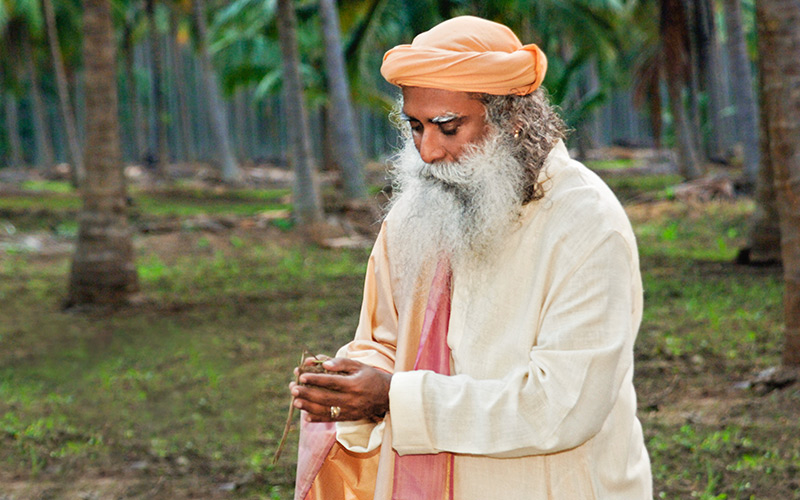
x: 448, y: 129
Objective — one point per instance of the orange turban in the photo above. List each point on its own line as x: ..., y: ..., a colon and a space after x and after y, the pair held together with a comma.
x: 467, y: 54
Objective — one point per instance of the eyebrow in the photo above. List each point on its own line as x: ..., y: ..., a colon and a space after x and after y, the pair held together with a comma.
x: 447, y: 117
x: 438, y: 120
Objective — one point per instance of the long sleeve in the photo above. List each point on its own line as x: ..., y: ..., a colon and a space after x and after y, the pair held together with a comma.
x: 375, y: 342
x: 541, y: 403
x: 556, y: 401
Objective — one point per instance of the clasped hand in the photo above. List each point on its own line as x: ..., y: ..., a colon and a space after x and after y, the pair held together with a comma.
x: 359, y: 390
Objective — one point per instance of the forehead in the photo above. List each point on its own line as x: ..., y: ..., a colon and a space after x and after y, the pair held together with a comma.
x: 424, y: 104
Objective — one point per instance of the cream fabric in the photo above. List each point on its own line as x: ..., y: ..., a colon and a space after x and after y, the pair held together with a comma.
x: 542, y: 404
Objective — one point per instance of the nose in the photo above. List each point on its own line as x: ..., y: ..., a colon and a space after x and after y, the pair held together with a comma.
x: 430, y: 148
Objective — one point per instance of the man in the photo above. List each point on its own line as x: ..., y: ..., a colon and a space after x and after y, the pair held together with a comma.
x: 493, y: 356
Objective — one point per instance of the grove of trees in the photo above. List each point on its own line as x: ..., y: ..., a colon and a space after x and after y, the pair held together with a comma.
x: 100, y: 83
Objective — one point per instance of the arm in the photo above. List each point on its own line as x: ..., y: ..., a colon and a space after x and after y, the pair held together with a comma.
x: 561, y: 396
x: 363, y: 369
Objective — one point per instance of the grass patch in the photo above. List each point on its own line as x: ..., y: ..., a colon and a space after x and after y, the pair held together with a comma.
x: 39, y: 186
x: 648, y: 186
x: 191, y: 385
x: 611, y: 164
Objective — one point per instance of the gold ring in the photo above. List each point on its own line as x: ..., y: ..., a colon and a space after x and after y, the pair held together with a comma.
x: 335, y: 411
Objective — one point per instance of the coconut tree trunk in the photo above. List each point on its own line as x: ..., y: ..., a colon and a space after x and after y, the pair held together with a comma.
x: 134, y: 102
x: 654, y: 106
x: 346, y: 145
x: 778, y: 24
x: 710, y: 69
x: 178, y: 68
x: 675, y: 46
x: 219, y: 120
x: 307, y: 204
x: 44, y: 143
x: 764, y: 238
x: 741, y: 86
x: 103, y: 270
x: 12, y: 129
x: 67, y: 113
x: 161, y: 156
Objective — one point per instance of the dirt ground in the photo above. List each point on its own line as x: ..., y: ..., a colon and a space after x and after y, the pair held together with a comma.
x: 679, y: 395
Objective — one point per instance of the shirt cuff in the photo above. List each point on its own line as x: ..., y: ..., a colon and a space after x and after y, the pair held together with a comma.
x: 409, y: 430
x: 360, y: 436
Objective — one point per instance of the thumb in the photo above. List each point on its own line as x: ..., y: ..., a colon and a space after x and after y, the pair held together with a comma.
x: 344, y: 366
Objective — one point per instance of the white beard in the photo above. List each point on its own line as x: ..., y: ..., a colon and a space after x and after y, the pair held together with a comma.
x: 462, y: 210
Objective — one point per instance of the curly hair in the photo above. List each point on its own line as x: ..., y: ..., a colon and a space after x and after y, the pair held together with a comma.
x: 533, y: 127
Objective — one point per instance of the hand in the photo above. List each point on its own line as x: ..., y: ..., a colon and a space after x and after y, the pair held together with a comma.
x: 361, y: 391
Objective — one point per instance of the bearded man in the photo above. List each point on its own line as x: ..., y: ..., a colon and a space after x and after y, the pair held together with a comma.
x: 494, y: 353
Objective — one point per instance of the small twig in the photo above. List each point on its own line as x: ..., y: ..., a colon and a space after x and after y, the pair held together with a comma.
x: 288, y: 426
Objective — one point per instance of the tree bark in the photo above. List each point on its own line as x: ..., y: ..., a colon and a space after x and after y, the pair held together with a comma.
x: 138, y: 127
x: 178, y: 68
x: 778, y: 24
x: 219, y: 120
x: 67, y: 113
x: 12, y: 129
x: 103, y: 270
x: 45, y: 158
x: 346, y: 145
x: 307, y: 204
x: 764, y: 238
x: 710, y: 69
x: 742, y: 94
x: 673, y: 35
x: 161, y: 156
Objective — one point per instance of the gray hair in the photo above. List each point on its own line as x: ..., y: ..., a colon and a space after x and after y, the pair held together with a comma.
x: 533, y: 128
x: 529, y: 124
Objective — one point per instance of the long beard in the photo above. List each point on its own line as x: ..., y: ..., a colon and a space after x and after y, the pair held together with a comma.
x: 461, y: 210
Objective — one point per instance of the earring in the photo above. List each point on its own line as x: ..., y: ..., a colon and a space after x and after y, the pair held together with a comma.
x: 516, y: 134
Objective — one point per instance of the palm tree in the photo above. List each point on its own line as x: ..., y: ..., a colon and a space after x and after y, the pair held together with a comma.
x: 675, y: 48
x: 778, y: 24
x: 20, y: 25
x: 12, y: 128
x: 346, y: 146
x: 307, y: 204
x: 159, y: 131
x: 709, y: 68
x: 137, y: 124
x: 177, y: 63
x: 741, y: 86
x: 219, y: 120
x: 103, y: 270
x: 67, y: 113
x: 45, y: 157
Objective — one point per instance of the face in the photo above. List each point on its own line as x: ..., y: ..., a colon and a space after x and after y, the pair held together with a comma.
x: 443, y: 122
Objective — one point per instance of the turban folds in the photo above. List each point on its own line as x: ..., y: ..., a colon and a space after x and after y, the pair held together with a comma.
x: 467, y: 54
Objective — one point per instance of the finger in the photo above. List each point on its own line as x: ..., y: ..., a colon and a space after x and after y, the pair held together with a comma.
x: 318, y: 395
x: 342, y: 365
x: 328, y: 381
x: 316, y: 412
x: 313, y: 411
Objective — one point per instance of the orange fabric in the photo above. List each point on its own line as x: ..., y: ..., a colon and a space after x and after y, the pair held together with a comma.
x: 346, y: 476
x: 467, y: 54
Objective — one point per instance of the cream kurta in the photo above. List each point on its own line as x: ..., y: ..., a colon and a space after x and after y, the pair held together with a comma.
x: 541, y: 404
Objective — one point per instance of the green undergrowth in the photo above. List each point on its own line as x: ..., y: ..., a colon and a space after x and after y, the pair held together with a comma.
x: 42, y: 205
x: 189, y: 386
x: 611, y: 164
x: 629, y: 188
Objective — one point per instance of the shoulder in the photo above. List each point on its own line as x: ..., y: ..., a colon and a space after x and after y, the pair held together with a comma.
x: 578, y: 209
